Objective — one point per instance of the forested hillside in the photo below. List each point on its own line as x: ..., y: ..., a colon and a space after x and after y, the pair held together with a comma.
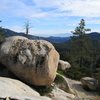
x: 83, y: 52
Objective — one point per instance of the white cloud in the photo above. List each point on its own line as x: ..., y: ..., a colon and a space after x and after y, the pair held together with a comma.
x: 17, y: 8
x: 88, y: 8
x: 93, y: 21
x: 16, y: 28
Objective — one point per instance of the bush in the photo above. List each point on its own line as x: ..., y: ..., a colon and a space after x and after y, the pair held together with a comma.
x: 77, y: 73
x: 43, y: 89
x: 59, y: 79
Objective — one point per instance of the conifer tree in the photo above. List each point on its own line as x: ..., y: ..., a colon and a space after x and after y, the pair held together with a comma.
x: 80, y: 30
x: 81, y: 42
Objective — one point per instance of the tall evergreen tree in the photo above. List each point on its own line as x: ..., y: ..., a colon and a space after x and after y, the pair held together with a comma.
x: 81, y: 43
x: 80, y: 30
x: 80, y: 52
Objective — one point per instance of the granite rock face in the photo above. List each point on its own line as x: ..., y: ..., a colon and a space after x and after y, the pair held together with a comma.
x: 11, y: 87
x: 33, y: 61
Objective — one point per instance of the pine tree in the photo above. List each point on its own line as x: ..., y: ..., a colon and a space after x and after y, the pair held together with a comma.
x: 80, y: 30
x: 81, y: 42
x: 80, y: 51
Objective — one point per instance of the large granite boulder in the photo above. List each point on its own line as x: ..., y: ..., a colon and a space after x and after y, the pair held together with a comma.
x: 11, y: 89
x: 89, y: 83
x: 33, y: 61
x: 63, y: 65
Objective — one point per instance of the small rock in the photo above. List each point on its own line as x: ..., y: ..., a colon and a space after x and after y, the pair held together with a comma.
x: 89, y: 83
x: 63, y: 65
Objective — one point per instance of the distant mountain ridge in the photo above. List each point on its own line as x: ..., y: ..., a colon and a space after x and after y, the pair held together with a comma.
x: 53, y: 39
x: 94, y: 35
x: 8, y: 33
x: 57, y: 39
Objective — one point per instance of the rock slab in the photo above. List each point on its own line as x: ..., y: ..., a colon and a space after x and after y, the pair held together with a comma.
x: 11, y: 89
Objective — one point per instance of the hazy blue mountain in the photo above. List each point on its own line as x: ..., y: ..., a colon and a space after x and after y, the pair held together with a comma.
x: 57, y: 39
x: 95, y: 35
x: 53, y: 39
x: 8, y: 32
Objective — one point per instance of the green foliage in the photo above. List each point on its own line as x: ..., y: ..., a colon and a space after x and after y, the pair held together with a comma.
x: 77, y: 73
x: 43, y: 89
x: 80, y: 53
x: 80, y: 30
x: 70, y: 52
x: 59, y: 79
x: 61, y: 72
x: 81, y: 48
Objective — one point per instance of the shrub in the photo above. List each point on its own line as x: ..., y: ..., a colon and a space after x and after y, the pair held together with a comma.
x: 59, y: 79
x: 43, y: 89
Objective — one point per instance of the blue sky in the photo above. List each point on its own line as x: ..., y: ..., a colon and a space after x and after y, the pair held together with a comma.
x: 49, y: 17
